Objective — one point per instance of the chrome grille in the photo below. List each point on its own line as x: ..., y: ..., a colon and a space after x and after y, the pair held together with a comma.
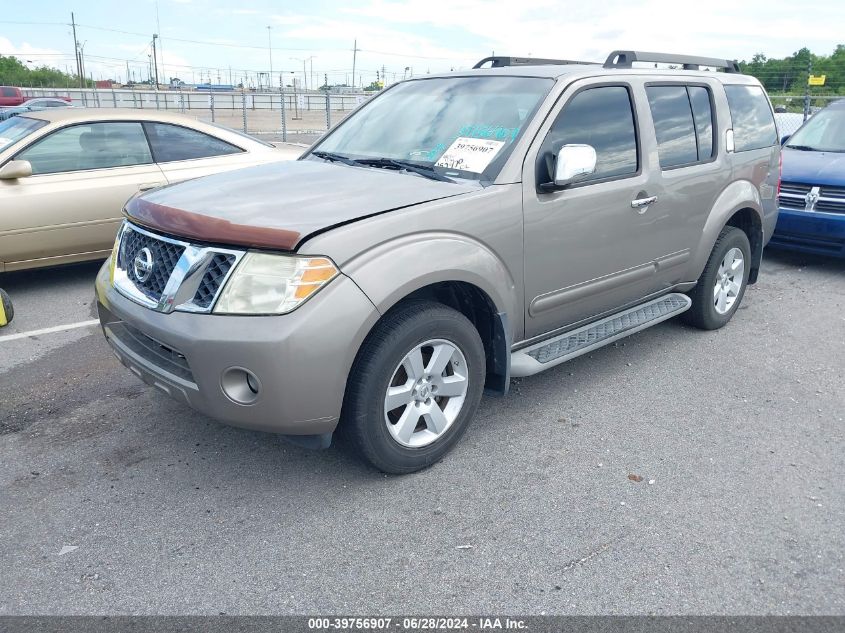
x: 179, y: 275
x: 793, y: 195
x: 164, y: 257
x: 216, y: 272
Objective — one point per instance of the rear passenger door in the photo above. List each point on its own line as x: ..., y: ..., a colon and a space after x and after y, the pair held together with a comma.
x: 690, y: 171
x: 184, y: 153
x: 588, y: 251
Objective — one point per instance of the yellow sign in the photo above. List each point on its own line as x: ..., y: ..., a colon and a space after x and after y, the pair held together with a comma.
x: 814, y: 80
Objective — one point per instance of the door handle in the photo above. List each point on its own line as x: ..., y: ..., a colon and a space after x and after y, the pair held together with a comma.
x: 642, y: 203
x: 149, y: 185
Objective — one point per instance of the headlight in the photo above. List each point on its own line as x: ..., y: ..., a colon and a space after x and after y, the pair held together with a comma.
x: 273, y: 284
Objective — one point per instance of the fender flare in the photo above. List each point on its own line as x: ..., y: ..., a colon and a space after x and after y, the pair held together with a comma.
x: 436, y: 257
x: 739, y: 195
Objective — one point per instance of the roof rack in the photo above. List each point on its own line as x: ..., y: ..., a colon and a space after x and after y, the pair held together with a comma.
x: 625, y: 59
x: 499, y: 61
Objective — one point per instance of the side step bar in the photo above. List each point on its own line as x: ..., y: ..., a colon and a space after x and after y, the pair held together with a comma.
x: 554, y: 351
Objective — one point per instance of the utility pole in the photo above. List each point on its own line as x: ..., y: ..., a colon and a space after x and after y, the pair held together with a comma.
x: 270, y: 48
x: 313, y: 87
x: 155, y: 59
x: 354, y: 60
x: 160, y: 46
x: 76, y: 51
x: 807, y: 90
x: 383, y: 77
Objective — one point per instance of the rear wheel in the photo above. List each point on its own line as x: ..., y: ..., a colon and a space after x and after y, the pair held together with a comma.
x: 722, y: 284
x: 414, y: 387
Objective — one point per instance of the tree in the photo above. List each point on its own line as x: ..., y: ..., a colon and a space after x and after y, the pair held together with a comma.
x: 15, y: 73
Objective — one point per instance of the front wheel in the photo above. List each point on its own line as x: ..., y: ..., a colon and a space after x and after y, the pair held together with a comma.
x: 414, y: 387
x: 722, y: 285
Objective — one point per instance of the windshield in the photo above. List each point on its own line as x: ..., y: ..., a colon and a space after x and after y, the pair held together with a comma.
x: 825, y: 132
x: 458, y: 126
x: 14, y: 129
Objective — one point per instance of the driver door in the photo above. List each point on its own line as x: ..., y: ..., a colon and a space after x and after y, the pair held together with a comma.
x: 72, y: 204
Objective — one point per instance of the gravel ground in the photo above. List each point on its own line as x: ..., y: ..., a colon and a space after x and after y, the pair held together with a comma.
x: 118, y: 500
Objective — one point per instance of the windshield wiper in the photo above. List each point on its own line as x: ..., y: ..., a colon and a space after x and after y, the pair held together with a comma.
x: 426, y: 171
x: 335, y: 158
x: 802, y: 148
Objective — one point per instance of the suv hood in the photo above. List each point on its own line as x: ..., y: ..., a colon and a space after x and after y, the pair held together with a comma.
x: 277, y: 205
x: 814, y: 168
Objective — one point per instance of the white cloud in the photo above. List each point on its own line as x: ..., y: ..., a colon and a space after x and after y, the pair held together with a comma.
x: 551, y: 29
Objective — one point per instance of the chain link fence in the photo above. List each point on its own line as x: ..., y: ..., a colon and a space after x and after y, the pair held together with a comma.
x: 275, y: 116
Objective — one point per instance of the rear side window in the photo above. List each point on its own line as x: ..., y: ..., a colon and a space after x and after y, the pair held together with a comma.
x: 753, y: 122
x: 9, y: 92
x: 683, y: 124
x: 601, y: 117
x: 702, y: 111
x: 172, y: 142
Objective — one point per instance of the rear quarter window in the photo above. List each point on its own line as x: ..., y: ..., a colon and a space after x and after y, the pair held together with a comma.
x: 753, y: 122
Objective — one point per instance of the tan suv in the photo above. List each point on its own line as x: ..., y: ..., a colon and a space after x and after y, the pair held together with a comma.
x: 65, y: 174
x: 455, y: 231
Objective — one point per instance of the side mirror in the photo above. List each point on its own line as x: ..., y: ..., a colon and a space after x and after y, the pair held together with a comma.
x: 784, y: 139
x: 15, y: 169
x: 574, y: 162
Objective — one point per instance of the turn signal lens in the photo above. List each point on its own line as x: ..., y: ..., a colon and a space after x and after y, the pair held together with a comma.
x: 273, y: 284
x: 113, y: 256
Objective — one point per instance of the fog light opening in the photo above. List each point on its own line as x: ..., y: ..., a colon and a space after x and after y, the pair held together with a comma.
x: 240, y: 385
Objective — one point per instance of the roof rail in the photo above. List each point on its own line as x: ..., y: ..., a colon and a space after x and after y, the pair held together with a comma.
x: 625, y: 59
x: 499, y: 61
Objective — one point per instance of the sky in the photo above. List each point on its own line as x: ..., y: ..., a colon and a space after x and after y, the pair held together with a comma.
x: 204, y: 39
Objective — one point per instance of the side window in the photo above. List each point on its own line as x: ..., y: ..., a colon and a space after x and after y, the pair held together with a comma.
x: 673, y: 125
x: 753, y: 122
x: 601, y: 117
x: 89, y: 146
x: 699, y: 98
x: 172, y: 142
x: 683, y: 124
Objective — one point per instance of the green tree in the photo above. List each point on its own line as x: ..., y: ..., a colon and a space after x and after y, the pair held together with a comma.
x: 15, y: 73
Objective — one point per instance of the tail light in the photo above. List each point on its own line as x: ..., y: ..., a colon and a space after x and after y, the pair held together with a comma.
x: 780, y: 170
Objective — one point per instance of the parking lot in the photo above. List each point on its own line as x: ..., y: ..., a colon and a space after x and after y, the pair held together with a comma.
x: 675, y: 472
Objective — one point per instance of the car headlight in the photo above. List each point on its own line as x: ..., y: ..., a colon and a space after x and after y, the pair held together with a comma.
x: 273, y: 284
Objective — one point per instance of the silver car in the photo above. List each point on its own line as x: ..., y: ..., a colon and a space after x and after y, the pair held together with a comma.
x: 456, y: 231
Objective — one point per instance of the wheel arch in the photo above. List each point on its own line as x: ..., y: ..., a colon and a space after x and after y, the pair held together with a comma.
x: 740, y: 206
x: 467, y: 277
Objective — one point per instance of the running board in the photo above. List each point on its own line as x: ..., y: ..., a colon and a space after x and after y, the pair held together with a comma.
x: 554, y: 351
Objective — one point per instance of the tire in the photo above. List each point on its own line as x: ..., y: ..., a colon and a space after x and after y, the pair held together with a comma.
x: 8, y: 312
x: 393, y: 441
x: 711, y: 308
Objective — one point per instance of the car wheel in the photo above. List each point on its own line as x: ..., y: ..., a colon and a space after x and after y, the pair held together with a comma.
x: 414, y: 387
x: 722, y: 285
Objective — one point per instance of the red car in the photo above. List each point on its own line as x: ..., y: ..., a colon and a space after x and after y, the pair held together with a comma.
x: 10, y: 96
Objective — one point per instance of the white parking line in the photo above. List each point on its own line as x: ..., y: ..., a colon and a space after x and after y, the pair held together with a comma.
x: 49, y: 330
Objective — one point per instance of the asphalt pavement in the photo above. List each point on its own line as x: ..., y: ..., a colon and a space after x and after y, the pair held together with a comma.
x: 676, y: 472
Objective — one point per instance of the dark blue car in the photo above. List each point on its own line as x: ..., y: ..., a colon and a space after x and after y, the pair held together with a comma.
x: 812, y: 195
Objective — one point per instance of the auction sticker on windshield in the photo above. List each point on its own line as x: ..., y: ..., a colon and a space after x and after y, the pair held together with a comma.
x: 470, y: 154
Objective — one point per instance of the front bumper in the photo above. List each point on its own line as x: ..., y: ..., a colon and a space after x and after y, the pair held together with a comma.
x: 299, y: 361
x: 810, y: 232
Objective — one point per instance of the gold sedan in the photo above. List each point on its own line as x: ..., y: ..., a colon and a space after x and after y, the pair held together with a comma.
x: 65, y: 175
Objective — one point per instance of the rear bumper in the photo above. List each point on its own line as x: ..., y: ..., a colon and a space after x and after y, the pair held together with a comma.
x: 810, y: 232
x: 298, y: 361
